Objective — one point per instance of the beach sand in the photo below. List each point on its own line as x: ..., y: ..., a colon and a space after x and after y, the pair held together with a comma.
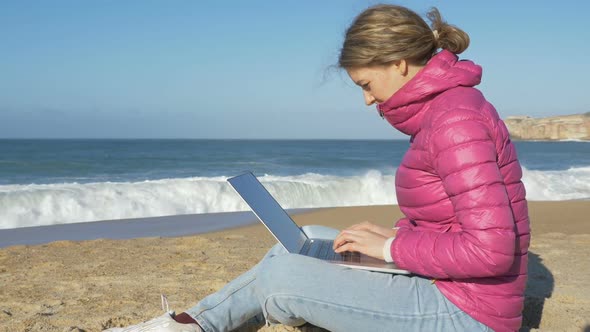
x: 96, y: 284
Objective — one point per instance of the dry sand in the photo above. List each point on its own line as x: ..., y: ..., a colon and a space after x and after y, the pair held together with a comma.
x: 92, y: 285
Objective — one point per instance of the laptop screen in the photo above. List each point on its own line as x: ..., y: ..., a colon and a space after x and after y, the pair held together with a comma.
x: 268, y: 210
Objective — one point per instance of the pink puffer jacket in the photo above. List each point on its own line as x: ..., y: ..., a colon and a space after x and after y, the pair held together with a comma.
x: 459, y: 187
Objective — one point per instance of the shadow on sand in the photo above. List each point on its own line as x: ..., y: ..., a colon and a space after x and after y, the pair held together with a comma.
x: 539, y: 287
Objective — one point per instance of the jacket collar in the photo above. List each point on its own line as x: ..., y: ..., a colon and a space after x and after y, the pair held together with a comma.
x: 405, y: 109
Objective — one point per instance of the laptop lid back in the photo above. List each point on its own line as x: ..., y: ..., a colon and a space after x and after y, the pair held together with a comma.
x: 268, y: 210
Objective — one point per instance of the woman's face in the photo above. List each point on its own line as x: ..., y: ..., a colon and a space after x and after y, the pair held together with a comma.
x: 379, y: 82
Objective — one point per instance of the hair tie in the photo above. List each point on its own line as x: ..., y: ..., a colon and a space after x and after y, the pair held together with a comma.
x: 435, y: 33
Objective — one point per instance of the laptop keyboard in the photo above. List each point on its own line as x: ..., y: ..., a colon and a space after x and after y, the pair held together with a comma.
x: 322, y: 249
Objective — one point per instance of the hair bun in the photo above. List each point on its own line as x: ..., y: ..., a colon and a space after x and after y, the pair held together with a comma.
x: 447, y: 36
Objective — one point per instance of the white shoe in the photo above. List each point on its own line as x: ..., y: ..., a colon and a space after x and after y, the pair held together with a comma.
x: 164, y: 323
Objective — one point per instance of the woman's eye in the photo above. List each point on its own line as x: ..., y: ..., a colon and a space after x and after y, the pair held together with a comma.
x: 365, y: 86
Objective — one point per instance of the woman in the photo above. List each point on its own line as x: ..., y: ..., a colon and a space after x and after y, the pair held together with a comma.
x: 466, y: 231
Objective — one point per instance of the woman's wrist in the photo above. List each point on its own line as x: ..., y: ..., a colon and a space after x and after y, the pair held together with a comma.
x: 387, y: 250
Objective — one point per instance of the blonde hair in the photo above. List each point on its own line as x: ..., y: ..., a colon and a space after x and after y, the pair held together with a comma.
x: 383, y: 34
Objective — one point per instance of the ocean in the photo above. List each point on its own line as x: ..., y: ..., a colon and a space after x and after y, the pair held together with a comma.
x: 45, y: 182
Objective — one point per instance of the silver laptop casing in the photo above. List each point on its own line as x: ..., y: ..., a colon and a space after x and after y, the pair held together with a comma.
x: 285, y: 230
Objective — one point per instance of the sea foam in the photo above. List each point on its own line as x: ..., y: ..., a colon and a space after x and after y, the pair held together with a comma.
x: 35, y: 205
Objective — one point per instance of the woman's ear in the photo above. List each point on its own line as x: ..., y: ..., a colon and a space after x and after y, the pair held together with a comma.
x: 402, y: 67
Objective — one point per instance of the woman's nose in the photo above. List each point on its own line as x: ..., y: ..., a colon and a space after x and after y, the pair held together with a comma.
x: 369, y: 99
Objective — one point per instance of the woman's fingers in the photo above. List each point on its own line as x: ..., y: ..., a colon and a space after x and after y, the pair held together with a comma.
x: 342, y: 238
x: 344, y: 241
x: 350, y: 246
x: 352, y: 235
x: 362, y: 241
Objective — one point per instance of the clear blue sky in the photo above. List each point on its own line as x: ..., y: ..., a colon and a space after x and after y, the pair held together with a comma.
x: 255, y: 69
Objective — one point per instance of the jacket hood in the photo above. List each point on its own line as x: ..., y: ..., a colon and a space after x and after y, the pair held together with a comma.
x: 404, y: 110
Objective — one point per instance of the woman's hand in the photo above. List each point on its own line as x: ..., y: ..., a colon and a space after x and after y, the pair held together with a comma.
x: 366, y: 238
x: 368, y: 226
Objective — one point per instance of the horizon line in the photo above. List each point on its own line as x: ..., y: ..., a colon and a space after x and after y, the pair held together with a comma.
x: 204, y: 139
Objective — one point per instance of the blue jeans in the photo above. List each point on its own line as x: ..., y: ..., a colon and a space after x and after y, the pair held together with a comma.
x: 292, y: 289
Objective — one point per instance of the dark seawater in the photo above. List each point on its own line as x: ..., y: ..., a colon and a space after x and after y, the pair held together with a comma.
x: 64, y: 181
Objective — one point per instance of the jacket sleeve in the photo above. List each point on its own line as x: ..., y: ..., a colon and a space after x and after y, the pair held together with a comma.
x: 463, y: 155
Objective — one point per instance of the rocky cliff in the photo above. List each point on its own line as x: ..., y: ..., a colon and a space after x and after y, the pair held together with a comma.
x: 564, y: 127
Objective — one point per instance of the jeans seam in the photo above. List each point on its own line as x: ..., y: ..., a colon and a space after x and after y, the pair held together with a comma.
x: 357, y: 310
x: 242, y: 285
x: 205, y: 326
x: 459, y: 312
x: 450, y: 315
x: 227, y: 296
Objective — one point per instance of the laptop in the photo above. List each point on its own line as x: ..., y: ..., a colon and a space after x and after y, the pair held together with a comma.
x: 286, y: 231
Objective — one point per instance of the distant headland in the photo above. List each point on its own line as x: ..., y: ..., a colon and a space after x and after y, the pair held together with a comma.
x: 555, y: 128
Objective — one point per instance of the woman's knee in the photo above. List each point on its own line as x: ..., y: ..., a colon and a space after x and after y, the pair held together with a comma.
x: 276, y: 250
x: 320, y: 232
